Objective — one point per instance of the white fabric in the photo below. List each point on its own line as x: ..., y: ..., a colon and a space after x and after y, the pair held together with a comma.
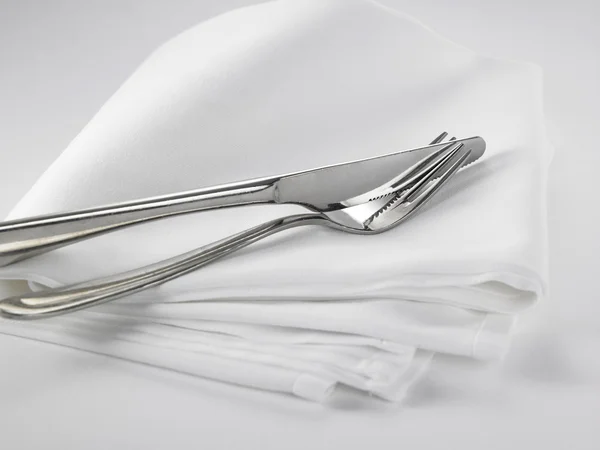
x: 284, y: 86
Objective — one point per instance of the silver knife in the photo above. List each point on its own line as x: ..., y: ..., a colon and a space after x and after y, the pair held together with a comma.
x: 323, y: 189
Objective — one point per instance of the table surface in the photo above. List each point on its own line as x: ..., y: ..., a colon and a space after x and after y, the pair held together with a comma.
x: 61, y: 60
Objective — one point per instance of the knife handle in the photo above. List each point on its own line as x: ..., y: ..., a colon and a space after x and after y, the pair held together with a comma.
x: 24, y: 238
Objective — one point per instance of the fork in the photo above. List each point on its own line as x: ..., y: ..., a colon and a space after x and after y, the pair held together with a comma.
x: 399, y: 201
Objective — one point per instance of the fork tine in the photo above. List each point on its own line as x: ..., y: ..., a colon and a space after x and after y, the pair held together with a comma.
x: 410, y: 202
x: 406, y: 178
x: 414, y: 173
x: 430, y: 190
x: 440, y: 138
x: 429, y: 173
x: 428, y: 165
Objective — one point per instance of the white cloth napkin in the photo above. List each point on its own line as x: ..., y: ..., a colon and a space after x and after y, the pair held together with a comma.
x: 284, y: 86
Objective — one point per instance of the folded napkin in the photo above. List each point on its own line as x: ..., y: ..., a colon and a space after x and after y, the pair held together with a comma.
x: 280, y: 87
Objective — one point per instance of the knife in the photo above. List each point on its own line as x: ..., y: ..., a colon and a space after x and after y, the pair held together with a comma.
x: 322, y: 189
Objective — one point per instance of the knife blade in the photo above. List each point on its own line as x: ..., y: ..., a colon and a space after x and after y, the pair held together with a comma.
x: 327, y: 188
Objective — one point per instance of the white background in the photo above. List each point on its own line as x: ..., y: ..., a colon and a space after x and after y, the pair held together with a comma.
x: 61, y: 59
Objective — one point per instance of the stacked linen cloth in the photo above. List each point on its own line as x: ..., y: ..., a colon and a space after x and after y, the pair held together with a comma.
x: 279, y: 87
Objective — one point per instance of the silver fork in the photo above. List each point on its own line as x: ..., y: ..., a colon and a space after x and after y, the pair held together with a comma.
x: 375, y: 215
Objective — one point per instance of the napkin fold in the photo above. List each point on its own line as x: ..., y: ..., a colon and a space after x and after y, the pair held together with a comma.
x: 279, y: 87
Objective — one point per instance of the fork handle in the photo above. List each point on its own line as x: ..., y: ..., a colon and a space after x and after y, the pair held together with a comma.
x: 67, y: 299
x: 24, y: 238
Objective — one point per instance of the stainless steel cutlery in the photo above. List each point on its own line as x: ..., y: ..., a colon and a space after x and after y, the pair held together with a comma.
x: 362, y: 197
